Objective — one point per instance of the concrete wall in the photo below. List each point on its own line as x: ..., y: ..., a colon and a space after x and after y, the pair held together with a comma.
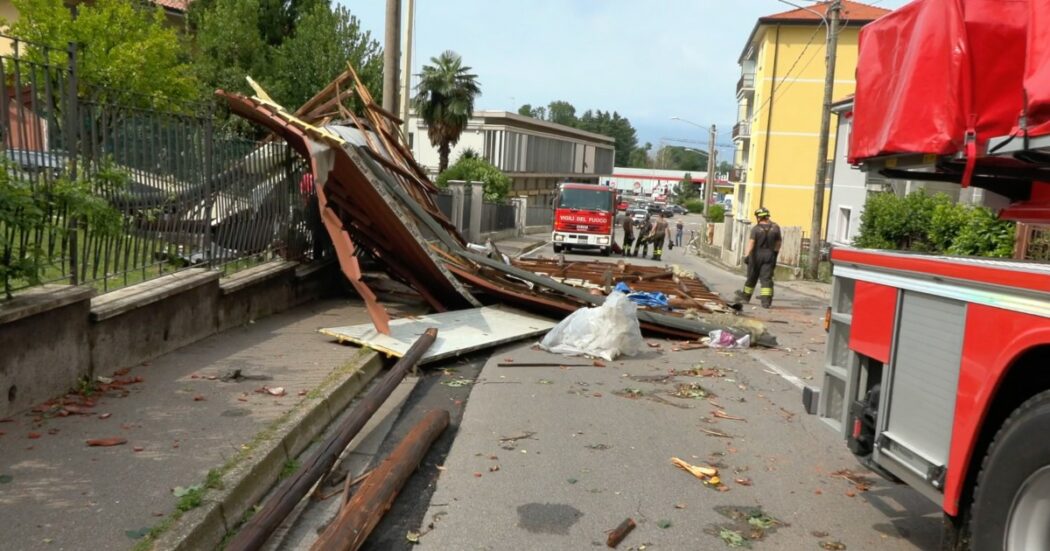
x: 44, y: 339
x: 54, y: 335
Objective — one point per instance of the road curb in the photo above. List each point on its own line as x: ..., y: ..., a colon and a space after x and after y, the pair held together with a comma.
x: 532, y: 248
x: 247, y: 477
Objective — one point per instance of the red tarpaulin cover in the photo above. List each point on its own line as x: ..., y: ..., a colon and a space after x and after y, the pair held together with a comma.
x: 934, y: 69
x: 1037, y: 68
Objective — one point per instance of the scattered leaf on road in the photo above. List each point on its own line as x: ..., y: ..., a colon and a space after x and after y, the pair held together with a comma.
x: 742, y: 481
x: 105, y: 415
x: 732, y: 538
x: 137, y: 534
x: 412, y: 537
x: 832, y: 545
x: 457, y: 383
x: 106, y: 442
x: 34, y: 435
x: 664, y: 523
x: 6, y: 478
x: 723, y: 415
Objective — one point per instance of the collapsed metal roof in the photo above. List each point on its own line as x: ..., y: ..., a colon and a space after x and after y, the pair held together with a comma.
x: 373, y: 195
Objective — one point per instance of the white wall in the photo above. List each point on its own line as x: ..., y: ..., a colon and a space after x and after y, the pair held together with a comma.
x: 427, y: 155
x: 849, y: 191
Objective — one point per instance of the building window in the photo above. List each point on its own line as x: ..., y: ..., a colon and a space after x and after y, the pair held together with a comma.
x: 411, y: 139
x: 843, y: 225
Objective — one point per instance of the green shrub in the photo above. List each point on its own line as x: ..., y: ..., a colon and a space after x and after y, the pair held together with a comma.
x: 932, y: 223
x: 694, y: 205
x: 476, y: 169
x: 716, y: 213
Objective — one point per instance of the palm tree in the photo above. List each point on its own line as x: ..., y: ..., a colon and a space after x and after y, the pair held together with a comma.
x: 445, y: 100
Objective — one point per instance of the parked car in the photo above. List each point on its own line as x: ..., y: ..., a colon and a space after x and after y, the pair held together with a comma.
x: 638, y: 215
x: 654, y: 207
x: 668, y: 212
x: 679, y: 209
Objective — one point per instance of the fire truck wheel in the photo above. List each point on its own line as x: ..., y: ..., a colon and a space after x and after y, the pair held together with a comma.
x: 606, y: 251
x: 558, y: 248
x: 1011, y: 505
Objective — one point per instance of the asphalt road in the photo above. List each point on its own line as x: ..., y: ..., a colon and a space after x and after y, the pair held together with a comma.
x: 554, y: 458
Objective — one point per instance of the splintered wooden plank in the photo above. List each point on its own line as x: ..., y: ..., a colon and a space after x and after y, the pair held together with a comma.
x: 459, y: 331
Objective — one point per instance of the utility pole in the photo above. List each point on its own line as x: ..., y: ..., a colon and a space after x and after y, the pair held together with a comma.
x: 391, y: 55
x: 406, y: 75
x: 709, y: 182
x: 831, y: 47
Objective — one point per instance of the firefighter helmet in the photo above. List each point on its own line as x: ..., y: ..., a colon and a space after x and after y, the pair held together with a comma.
x: 762, y: 212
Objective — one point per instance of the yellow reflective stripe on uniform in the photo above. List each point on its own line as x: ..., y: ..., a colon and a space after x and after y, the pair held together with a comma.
x: 749, y: 290
x: 766, y: 291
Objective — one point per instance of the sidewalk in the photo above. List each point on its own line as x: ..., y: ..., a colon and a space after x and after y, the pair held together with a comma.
x: 518, y: 246
x: 183, y: 419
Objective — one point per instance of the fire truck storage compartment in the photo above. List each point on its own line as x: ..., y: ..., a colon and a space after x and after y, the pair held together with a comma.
x: 918, y: 401
x: 839, y: 361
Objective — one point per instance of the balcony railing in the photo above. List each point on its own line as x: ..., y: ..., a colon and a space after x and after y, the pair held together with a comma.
x: 746, y: 83
x: 742, y: 130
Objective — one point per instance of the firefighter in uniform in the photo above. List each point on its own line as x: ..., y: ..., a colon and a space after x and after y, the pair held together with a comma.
x: 628, y: 234
x: 643, y: 237
x: 660, y: 233
x: 761, y: 258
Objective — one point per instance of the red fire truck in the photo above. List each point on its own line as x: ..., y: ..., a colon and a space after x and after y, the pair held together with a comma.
x: 584, y: 217
x: 937, y: 370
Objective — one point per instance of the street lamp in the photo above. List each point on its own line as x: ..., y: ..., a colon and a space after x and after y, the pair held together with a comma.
x: 709, y: 182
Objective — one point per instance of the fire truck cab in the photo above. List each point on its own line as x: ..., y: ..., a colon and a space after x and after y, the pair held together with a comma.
x: 584, y: 217
x: 937, y: 370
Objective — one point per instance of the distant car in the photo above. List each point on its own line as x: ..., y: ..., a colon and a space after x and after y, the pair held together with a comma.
x: 668, y: 212
x: 622, y: 206
x: 654, y: 208
x: 638, y: 215
x: 679, y: 209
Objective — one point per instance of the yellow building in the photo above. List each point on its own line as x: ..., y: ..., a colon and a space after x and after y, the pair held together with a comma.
x: 780, y: 95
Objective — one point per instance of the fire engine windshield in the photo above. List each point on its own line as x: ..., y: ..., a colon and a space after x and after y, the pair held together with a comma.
x: 585, y: 199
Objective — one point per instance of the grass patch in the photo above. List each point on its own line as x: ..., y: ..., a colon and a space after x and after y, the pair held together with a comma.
x: 288, y: 469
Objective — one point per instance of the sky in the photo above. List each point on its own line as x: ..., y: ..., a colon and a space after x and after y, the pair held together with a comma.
x: 648, y: 60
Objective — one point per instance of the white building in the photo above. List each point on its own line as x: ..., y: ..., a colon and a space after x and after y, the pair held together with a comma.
x: 537, y: 155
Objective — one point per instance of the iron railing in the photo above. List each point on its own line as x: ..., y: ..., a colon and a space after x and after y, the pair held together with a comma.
x: 539, y: 216
x: 100, y: 190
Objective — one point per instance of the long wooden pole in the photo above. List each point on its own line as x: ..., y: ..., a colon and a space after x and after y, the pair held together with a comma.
x: 366, y: 508
x: 813, y: 266
x: 255, y: 532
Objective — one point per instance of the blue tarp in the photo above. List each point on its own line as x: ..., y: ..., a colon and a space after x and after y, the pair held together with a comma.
x: 642, y: 298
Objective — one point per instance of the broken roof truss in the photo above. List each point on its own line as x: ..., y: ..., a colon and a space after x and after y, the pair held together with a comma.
x: 373, y: 195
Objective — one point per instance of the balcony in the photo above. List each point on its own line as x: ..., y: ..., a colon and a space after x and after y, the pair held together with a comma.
x: 742, y: 130
x: 746, y: 85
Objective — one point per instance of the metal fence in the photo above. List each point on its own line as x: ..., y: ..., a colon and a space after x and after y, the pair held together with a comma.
x: 101, y: 191
x: 1033, y: 242
x: 539, y: 216
x: 496, y: 217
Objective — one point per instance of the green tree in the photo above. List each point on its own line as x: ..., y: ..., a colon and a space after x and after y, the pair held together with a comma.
x: 326, y: 39
x: 528, y: 110
x: 445, y: 101
x: 228, y: 45
x: 674, y: 157
x: 561, y: 112
x: 476, y: 169
x: 640, y: 157
x: 615, y: 126
x: 129, y: 53
x: 686, y: 190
